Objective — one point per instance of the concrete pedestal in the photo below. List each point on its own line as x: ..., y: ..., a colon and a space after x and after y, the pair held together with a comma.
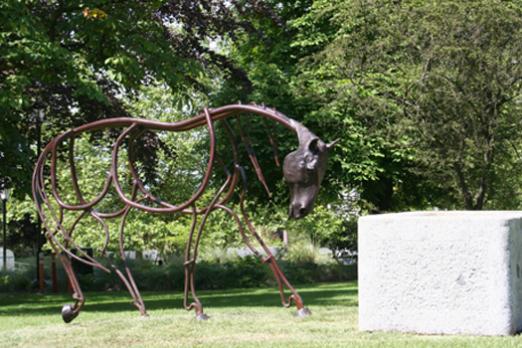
x: 441, y: 272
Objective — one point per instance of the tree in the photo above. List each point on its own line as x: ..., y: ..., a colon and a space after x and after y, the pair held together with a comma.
x: 75, y: 61
x: 83, y: 61
x: 426, y: 93
x: 72, y: 60
x: 466, y: 97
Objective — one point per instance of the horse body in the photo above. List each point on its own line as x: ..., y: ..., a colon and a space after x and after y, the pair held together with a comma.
x: 303, y: 170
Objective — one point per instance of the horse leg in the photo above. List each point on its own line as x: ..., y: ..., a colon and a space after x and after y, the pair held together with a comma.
x: 280, y: 277
x: 190, y: 268
x: 128, y: 280
x: 191, y: 257
x: 129, y: 283
x: 69, y: 312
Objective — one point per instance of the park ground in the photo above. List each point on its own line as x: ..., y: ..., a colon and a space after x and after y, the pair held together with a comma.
x: 239, y: 318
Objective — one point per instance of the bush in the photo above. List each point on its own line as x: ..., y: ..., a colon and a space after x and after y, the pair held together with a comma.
x: 313, y: 272
x: 230, y: 272
x: 239, y: 273
x: 14, y: 281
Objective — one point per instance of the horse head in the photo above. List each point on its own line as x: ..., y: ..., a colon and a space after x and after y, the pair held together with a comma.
x: 304, y: 170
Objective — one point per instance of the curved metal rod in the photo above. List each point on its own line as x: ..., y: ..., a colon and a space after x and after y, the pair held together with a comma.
x: 55, y: 217
x: 210, y: 208
x: 172, y: 209
x: 74, y: 178
x: 73, y: 226
x: 75, y: 285
x: 279, y: 275
x: 130, y: 283
x: 38, y: 195
x: 273, y: 143
x: 112, y: 215
x: 105, y: 229
x: 121, y: 233
x: 87, y: 259
x: 194, y: 122
x: 90, y: 261
x: 190, y: 263
x: 241, y: 229
x: 120, y: 212
x: 235, y: 174
x: 253, y: 158
x: 149, y: 196
x: 134, y: 172
x: 53, y: 144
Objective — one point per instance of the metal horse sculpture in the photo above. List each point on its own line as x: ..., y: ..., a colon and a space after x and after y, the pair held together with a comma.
x: 303, y: 170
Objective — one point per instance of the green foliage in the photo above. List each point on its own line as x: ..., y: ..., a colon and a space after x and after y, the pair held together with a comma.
x: 21, y: 279
x: 320, y: 226
x: 466, y: 97
x: 60, y: 58
x: 234, y: 272
x: 84, y: 61
x: 424, y: 95
x: 15, y: 281
x: 309, y: 272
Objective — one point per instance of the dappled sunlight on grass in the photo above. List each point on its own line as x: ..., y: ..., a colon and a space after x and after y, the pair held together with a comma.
x: 21, y: 304
x: 239, y: 318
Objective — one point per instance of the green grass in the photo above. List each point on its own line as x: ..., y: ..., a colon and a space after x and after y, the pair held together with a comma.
x: 239, y: 318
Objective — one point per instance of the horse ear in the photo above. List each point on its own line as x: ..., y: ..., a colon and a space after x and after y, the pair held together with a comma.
x: 331, y: 144
x: 313, y: 146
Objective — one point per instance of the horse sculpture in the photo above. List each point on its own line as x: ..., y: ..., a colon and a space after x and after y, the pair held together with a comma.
x: 303, y: 170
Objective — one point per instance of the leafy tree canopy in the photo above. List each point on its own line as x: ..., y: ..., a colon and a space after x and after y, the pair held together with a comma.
x: 425, y: 96
x: 74, y: 60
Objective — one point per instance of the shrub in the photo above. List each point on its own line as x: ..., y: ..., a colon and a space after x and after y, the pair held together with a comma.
x: 14, y: 281
x: 221, y: 273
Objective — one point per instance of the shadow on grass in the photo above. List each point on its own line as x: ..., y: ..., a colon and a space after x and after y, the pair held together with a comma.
x: 29, y: 304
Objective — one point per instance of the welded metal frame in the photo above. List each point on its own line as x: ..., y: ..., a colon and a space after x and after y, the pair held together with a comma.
x: 52, y: 217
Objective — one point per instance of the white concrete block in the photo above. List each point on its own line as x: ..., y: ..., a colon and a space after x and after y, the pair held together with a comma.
x: 244, y: 252
x: 151, y: 255
x: 10, y: 259
x: 130, y: 254
x: 441, y: 272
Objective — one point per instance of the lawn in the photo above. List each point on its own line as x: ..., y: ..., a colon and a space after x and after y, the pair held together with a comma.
x: 239, y: 318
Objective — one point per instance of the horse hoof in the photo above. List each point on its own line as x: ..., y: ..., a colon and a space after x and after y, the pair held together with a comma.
x: 202, y: 317
x: 68, y: 313
x: 303, y: 312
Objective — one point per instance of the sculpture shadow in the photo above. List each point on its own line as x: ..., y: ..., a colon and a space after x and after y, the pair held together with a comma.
x: 28, y: 304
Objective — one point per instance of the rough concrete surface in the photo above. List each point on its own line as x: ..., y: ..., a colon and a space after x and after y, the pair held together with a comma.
x: 441, y: 272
